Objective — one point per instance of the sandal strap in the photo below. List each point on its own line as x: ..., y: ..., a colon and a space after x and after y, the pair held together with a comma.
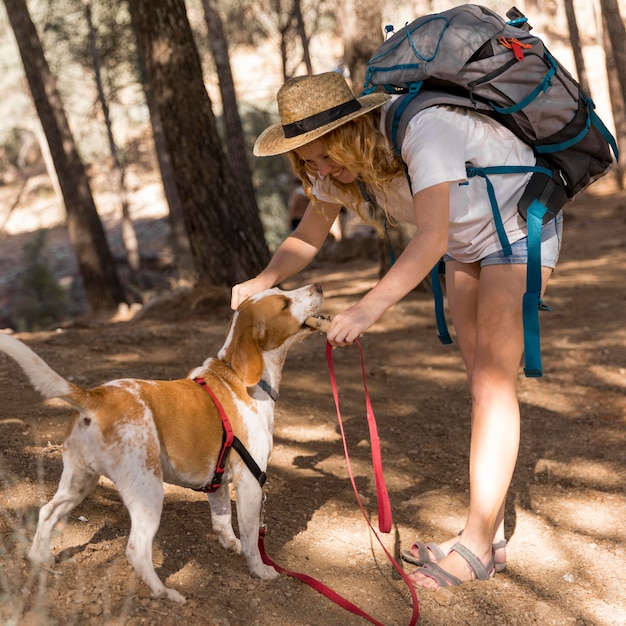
x: 436, y: 550
x: 439, y: 575
x: 499, y: 545
x: 424, y: 551
x: 481, y: 571
x: 424, y: 548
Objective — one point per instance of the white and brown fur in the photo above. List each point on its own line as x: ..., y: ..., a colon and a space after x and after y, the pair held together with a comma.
x: 140, y: 433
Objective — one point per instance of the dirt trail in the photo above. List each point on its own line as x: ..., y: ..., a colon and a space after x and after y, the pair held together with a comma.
x: 567, y: 507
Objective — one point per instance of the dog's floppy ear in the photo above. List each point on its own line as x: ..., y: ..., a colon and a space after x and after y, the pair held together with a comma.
x: 246, y: 358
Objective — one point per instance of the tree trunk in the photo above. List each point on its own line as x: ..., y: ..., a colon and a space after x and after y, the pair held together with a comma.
x: 304, y: 40
x: 617, y: 38
x: 361, y: 22
x: 227, y: 242
x: 618, y: 107
x: 234, y: 137
x: 101, y: 282
x: 180, y: 240
x: 129, y: 236
x: 284, y: 23
x: 577, y: 48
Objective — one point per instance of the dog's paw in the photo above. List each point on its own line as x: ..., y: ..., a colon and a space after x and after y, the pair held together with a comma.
x: 230, y: 543
x: 264, y: 572
x: 170, y: 594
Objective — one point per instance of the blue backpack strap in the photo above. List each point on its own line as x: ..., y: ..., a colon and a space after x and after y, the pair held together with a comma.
x: 531, y: 303
x: 442, y: 326
x: 395, y: 130
x: 543, y: 86
x: 484, y: 172
x: 398, y: 109
x: 495, y: 211
x: 604, y: 131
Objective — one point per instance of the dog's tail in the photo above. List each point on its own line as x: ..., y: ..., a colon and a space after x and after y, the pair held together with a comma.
x: 43, y: 378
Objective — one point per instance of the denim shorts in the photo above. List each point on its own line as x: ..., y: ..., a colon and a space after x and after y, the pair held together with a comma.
x: 551, y: 238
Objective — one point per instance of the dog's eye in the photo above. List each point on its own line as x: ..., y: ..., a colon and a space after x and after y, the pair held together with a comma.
x: 286, y: 303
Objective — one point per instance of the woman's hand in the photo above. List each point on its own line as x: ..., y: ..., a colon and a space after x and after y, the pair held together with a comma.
x: 293, y: 255
x: 345, y: 328
x: 244, y: 290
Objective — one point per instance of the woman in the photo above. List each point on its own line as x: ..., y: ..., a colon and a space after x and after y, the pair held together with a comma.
x: 334, y: 142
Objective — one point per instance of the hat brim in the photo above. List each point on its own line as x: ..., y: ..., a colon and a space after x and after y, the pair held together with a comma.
x: 272, y: 140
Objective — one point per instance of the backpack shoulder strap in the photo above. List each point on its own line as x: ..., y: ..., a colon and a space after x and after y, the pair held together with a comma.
x: 407, y: 106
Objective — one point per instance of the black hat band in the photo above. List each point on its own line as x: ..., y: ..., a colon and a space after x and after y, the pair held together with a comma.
x: 313, y: 122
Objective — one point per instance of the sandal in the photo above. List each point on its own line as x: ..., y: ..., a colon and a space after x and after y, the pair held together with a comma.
x: 499, y: 545
x: 445, y: 579
x: 424, y: 551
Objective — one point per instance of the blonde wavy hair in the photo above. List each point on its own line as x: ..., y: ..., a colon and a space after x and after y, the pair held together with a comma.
x: 359, y: 146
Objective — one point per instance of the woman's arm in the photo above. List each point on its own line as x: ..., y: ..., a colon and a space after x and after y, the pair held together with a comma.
x: 294, y: 254
x: 432, y: 209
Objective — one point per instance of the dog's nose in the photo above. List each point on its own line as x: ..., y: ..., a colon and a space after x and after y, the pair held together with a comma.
x: 318, y: 288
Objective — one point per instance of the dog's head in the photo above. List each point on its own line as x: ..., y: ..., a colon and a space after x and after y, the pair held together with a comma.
x: 265, y: 326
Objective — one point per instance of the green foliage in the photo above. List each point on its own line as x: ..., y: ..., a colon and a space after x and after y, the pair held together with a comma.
x: 64, y: 33
x: 253, y: 22
x: 271, y: 202
x: 12, y: 142
x: 271, y: 178
x: 42, y: 301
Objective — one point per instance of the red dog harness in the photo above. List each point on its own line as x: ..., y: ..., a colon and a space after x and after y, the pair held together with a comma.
x: 229, y: 440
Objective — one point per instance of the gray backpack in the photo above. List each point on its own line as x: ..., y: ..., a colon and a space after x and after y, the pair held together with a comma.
x: 471, y: 57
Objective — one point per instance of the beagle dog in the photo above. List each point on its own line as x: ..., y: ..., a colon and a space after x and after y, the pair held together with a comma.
x: 140, y: 433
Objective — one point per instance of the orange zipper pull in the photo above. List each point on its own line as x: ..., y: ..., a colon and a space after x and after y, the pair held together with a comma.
x: 515, y: 45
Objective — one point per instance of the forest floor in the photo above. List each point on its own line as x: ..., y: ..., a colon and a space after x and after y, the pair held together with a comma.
x: 566, y: 514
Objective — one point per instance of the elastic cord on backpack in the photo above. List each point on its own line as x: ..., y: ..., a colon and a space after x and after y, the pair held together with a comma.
x: 409, y: 38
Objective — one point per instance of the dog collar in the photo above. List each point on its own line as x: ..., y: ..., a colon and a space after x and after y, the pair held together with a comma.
x: 270, y: 391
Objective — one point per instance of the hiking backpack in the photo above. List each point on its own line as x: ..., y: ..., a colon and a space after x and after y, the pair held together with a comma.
x: 469, y: 56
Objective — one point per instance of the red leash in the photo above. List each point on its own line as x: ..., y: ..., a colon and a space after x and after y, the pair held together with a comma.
x: 315, y: 584
x: 384, y: 506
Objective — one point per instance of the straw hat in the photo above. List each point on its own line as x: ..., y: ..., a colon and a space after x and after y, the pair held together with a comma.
x: 311, y: 106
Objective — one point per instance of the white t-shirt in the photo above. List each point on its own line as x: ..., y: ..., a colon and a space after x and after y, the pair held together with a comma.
x: 439, y: 141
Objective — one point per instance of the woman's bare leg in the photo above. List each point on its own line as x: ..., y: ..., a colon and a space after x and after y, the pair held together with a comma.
x: 487, y: 313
